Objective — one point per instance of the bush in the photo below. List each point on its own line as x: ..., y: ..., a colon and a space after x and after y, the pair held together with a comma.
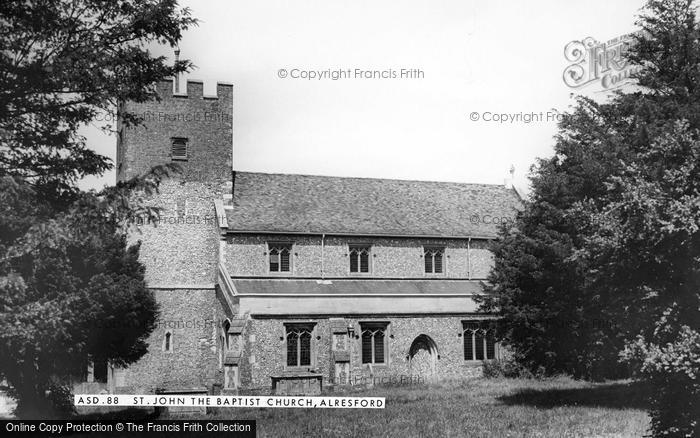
x: 673, y: 371
x: 60, y: 398
x: 507, y: 366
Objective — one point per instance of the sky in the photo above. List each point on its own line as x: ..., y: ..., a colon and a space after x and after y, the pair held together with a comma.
x: 465, y: 63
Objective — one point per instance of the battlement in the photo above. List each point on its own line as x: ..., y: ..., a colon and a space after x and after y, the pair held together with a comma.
x: 194, y: 89
x: 191, y: 129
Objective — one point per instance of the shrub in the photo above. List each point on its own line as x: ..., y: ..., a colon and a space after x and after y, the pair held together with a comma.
x: 507, y: 366
x: 673, y: 370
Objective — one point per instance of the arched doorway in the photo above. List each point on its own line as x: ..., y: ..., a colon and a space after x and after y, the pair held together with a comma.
x: 422, y: 357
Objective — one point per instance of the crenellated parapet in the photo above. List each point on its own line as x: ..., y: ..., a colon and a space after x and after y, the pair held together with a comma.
x: 194, y: 89
x: 190, y: 129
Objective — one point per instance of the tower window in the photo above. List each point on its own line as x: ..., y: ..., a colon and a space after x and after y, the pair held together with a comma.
x: 99, y: 370
x: 168, y: 342
x: 181, y: 207
x: 178, y: 150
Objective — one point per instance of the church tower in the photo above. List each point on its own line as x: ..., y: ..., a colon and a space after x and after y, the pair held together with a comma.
x: 180, y: 252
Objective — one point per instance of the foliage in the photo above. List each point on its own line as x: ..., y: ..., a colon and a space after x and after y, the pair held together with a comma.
x: 71, y: 288
x: 552, y: 319
x: 673, y: 370
x: 62, y: 63
x: 508, y: 367
x: 71, y: 285
x: 605, y: 258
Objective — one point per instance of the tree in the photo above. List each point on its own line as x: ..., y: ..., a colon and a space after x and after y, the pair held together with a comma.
x: 71, y: 287
x: 613, y: 231
x: 64, y: 61
x: 647, y: 249
x: 552, y: 320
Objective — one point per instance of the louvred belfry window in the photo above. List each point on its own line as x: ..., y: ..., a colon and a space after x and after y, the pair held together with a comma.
x: 359, y: 259
x: 178, y: 149
x: 433, y: 259
x: 280, y: 257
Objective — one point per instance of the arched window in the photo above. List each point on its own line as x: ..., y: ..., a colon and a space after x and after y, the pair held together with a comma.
x: 299, y: 338
x: 227, y: 344
x: 479, y: 340
x: 373, y: 342
x: 359, y: 258
x: 280, y: 257
x: 168, y: 342
x: 433, y: 259
x: 490, y: 343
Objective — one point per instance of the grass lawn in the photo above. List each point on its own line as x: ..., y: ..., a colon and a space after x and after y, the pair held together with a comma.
x: 559, y: 407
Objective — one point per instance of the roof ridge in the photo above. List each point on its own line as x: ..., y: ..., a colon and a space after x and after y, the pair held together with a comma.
x: 318, y: 204
x: 305, y: 175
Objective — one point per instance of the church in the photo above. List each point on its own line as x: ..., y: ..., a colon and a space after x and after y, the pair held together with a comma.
x: 290, y: 284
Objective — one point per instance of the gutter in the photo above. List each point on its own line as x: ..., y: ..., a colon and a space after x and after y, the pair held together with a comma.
x: 365, y: 295
x: 323, y: 270
x: 469, y: 259
x: 408, y: 236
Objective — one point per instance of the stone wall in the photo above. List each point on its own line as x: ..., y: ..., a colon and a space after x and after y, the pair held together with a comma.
x: 265, y: 347
x: 245, y: 255
x: 193, y: 317
x: 205, y: 121
x: 180, y: 250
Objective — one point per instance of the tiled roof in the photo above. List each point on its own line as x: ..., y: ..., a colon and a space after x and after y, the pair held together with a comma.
x: 365, y: 206
x: 360, y: 286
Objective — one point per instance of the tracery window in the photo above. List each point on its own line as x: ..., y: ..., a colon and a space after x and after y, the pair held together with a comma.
x: 280, y: 257
x: 359, y: 258
x: 433, y: 256
x: 479, y: 340
x: 299, y: 337
x: 373, y: 342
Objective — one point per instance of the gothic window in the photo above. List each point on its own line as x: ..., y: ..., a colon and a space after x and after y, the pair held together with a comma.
x: 280, y: 257
x: 359, y: 258
x: 299, y: 337
x: 221, y: 352
x: 231, y: 377
x: 181, y: 206
x: 433, y: 259
x: 233, y: 343
x: 97, y: 370
x: 479, y: 340
x: 227, y: 340
x: 168, y: 342
x: 374, y: 342
x: 178, y: 149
